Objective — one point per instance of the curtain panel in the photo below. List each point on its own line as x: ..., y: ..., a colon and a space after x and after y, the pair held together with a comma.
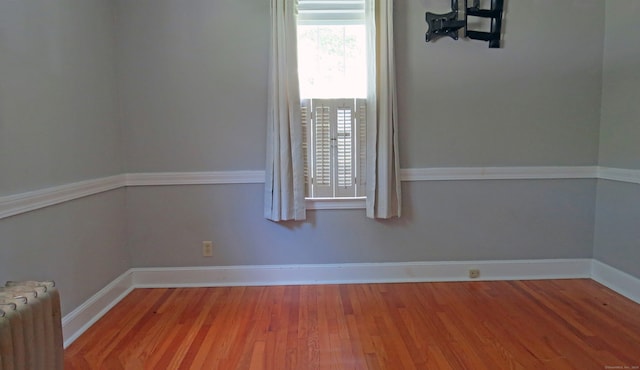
x: 384, y: 198
x: 284, y: 172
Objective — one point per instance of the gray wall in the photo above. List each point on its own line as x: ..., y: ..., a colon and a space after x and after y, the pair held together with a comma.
x: 194, y: 81
x: 534, y: 102
x: 59, y: 124
x: 193, y: 76
x: 79, y: 244
x: 620, y: 128
x: 58, y: 120
x: 617, y: 240
x: 443, y: 221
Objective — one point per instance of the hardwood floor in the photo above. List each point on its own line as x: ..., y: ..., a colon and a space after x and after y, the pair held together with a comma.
x: 552, y: 324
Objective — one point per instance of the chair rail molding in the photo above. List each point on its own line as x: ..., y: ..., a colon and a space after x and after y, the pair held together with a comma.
x: 15, y: 204
x: 619, y: 174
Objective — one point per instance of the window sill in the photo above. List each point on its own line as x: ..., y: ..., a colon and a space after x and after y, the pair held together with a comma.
x: 336, y: 203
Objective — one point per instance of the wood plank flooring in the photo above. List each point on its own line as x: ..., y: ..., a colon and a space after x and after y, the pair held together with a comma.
x: 551, y: 324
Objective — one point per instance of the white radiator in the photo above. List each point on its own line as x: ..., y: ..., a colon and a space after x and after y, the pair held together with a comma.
x: 30, y: 326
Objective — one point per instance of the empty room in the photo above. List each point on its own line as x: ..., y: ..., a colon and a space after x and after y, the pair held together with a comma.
x: 344, y: 184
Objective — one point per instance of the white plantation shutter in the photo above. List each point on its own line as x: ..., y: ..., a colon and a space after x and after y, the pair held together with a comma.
x: 344, y: 161
x: 335, y: 146
x: 321, y: 160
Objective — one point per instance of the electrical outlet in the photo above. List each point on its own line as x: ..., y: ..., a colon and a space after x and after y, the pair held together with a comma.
x: 207, y: 248
x: 474, y: 273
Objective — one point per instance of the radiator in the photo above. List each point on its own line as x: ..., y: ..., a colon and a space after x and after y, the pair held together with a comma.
x: 30, y: 326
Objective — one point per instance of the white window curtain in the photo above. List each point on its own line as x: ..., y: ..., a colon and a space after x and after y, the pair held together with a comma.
x: 383, y: 163
x: 284, y: 173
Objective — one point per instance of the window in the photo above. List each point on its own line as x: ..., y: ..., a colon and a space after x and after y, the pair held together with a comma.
x: 332, y: 70
x: 341, y: 121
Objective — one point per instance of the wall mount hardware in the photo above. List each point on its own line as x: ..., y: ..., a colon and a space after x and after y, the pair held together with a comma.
x: 449, y: 24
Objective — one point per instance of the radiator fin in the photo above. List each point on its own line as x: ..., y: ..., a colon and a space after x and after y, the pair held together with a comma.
x: 30, y: 326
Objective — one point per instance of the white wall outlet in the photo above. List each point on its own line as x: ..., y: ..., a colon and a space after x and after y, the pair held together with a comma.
x: 474, y: 273
x: 207, y: 248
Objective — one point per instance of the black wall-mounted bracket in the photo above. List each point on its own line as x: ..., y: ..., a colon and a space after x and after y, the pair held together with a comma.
x: 449, y: 24
x: 444, y: 25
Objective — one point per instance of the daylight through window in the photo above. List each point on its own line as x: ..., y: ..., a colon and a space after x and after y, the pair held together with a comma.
x: 332, y: 69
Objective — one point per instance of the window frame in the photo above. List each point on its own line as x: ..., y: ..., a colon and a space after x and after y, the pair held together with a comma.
x: 322, y: 13
x: 331, y: 12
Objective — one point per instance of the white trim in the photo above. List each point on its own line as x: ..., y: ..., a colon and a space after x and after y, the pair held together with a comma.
x: 359, y: 273
x: 338, y: 203
x: 616, y: 280
x: 79, y: 320
x: 195, y: 178
x: 497, y: 173
x: 12, y: 205
x: 619, y: 174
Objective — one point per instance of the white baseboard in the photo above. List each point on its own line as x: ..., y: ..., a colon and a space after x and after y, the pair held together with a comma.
x: 359, y: 273
x: 78, y: 321
x: 616, y: 280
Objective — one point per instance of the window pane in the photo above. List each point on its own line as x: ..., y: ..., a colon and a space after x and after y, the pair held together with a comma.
x: 332, y: 61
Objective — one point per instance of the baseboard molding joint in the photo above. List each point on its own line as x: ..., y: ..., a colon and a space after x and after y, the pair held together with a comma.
x: 616, y: 280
